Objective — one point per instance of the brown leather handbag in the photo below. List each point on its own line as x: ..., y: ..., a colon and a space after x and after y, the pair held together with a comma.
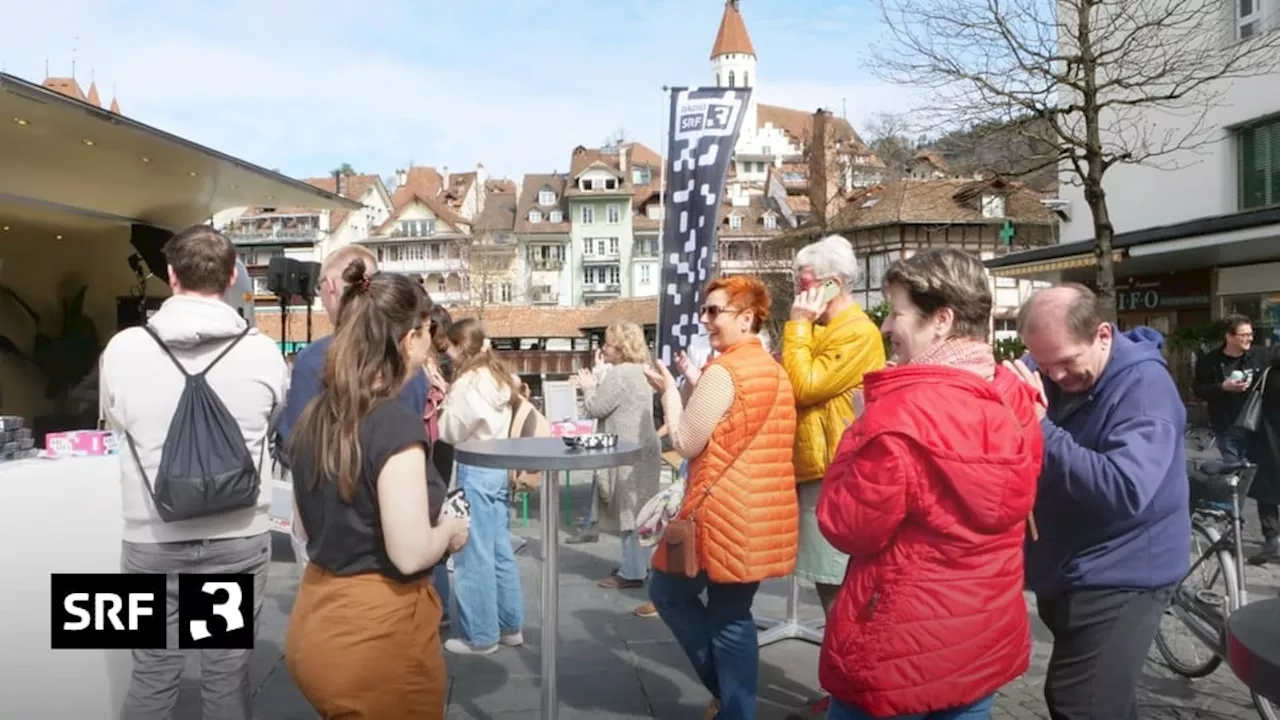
x: 681, y: 539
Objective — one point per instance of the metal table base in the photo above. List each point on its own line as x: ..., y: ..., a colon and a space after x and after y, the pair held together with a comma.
x: 550, y: 604
x: 791, y: 627
x: 553, y: 457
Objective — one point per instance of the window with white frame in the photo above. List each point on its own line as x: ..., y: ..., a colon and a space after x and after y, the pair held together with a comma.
x: 601, y: 275
x: 877, y: 264
x: 417, y: 228
x: 555, y: 216
x: 1006, y: 282
x: 641, y: 175
x: 1248, y: 18
x: 260, y: 285
x: 992, y: 206
x: 588, y: 215
x: 613, y: 214
x: 546, y: 197
x: 735, y: 222
x: 613, y: 246
x: 646, y: 274
x: 654, y: 211
x: 535, y: 216
x: 770, y: 222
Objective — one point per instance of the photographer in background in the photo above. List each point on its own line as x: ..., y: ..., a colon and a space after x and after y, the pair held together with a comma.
x: 1223, y: 377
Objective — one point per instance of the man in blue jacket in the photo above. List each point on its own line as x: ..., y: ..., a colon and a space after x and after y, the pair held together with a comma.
x: 1112, y: 509
x: 308, y: 366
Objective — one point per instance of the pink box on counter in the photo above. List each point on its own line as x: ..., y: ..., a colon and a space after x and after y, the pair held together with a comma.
x: 80, y: 443
x: 570, y: 428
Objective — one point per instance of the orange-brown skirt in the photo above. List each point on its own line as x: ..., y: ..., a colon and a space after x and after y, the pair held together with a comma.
x: 365, y: 647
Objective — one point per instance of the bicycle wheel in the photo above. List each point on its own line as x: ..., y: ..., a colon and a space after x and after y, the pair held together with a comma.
x: 1208, y: 588
x: 1266, y: 708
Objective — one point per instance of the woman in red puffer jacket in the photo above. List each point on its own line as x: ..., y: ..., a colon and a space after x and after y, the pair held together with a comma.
x: 929, y: 494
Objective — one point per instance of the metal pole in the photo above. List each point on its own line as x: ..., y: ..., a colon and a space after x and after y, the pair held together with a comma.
x: 789, y: 628
x: 550, y: 591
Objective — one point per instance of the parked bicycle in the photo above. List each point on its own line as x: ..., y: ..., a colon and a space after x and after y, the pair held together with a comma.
x: 1215, y: 585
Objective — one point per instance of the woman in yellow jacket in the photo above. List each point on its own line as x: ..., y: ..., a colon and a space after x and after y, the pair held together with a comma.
x: 827, y: 346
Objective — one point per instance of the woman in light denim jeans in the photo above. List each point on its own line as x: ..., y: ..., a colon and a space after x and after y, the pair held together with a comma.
x: 623, y: 402
x: 486, y: 581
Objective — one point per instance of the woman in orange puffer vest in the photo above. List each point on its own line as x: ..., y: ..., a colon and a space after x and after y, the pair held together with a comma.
x: 738, y: 430
x: 929, y: 495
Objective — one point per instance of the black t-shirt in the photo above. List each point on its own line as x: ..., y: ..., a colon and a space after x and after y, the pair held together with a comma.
x: 346, y: 539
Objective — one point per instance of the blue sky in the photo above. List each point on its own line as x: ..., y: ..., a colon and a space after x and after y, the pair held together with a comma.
x: 303, y: 86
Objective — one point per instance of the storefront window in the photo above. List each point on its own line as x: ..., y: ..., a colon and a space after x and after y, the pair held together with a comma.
x: 1264, y: 310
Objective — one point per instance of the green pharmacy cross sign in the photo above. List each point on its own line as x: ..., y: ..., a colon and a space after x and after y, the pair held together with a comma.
x: 1006, y: 233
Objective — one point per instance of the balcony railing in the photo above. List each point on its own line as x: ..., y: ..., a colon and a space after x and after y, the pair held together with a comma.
x: 250, y: 236
x: 754, y: 266
x: 424, y: 266
x: 449, y: 297
x: 547, y: 264
x: 644, y: 252
x: 545, y: 298
x: 597, y: 258
x: 601, y: 288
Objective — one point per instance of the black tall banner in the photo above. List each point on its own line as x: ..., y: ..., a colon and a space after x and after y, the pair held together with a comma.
x: 704, y: 128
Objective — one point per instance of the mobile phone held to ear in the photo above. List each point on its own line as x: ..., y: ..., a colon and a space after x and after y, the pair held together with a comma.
x: 830, y: 289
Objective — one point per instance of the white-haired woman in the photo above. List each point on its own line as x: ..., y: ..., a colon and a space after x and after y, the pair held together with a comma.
x: 623, y: 401
x: 827, y: 346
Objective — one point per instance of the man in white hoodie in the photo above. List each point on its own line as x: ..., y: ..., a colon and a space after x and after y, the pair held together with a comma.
x: 140, y: 388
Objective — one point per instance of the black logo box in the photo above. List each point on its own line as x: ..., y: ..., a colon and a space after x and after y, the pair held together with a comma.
x: 130, y: 611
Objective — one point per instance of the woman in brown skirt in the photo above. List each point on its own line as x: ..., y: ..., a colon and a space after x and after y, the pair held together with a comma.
x: 364, y: 634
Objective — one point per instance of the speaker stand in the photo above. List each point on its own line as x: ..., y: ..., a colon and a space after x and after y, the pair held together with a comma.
x: 791, y: 627
x: 284, y: 325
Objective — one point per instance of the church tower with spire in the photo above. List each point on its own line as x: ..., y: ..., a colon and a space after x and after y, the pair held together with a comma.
x: 733, y: 60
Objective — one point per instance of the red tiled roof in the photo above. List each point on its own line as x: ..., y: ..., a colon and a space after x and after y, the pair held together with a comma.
x: 531, y: 185
x: 641, y: 310
x: 357, y: 186
x: 514, y: 321
x: 732, y: 36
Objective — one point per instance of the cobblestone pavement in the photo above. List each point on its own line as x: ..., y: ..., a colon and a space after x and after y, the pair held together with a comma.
x: 615, y: 665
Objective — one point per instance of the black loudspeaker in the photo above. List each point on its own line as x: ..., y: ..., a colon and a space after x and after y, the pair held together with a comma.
x: 149, y: 242
x: 281, y: 275
x: 305, y: 279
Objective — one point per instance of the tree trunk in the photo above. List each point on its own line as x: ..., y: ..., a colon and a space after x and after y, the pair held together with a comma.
x: 1103, y: 235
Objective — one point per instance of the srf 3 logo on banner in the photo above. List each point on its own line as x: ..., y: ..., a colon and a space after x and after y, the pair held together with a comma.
x: 133, y: 611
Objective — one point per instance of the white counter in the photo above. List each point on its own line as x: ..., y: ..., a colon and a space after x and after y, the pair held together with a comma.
x: 60, y: 516
x: 56, y: 516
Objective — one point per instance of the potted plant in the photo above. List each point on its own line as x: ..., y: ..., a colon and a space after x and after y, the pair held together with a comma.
x: 65, y: 355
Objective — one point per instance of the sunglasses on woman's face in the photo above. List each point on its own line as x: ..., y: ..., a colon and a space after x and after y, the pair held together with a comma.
x: 711, y: 312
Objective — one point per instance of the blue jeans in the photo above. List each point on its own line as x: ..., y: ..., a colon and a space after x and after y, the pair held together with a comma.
x: 980, y: 710
x: 635, y: 557
x: 1233, y: 444
x: 719, y: 636
x: 589, y: 519
x: 486, y: 581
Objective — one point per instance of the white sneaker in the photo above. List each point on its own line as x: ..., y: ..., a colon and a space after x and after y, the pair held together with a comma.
x: 462, y: 647
x: 515, y: 639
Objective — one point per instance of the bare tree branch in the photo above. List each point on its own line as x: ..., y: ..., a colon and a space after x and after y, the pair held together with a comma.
x: 1102, y: 82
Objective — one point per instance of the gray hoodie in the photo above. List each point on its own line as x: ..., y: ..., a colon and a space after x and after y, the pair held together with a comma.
x: 140, y: 387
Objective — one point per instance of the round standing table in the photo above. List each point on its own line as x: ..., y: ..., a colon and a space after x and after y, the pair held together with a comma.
x: 1253, y: 647
x: 547, y: 454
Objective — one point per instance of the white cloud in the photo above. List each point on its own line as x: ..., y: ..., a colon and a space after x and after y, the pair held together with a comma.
x: 304, y: 86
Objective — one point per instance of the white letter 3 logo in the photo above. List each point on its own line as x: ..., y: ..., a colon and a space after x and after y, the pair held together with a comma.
x: 228, y: 611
